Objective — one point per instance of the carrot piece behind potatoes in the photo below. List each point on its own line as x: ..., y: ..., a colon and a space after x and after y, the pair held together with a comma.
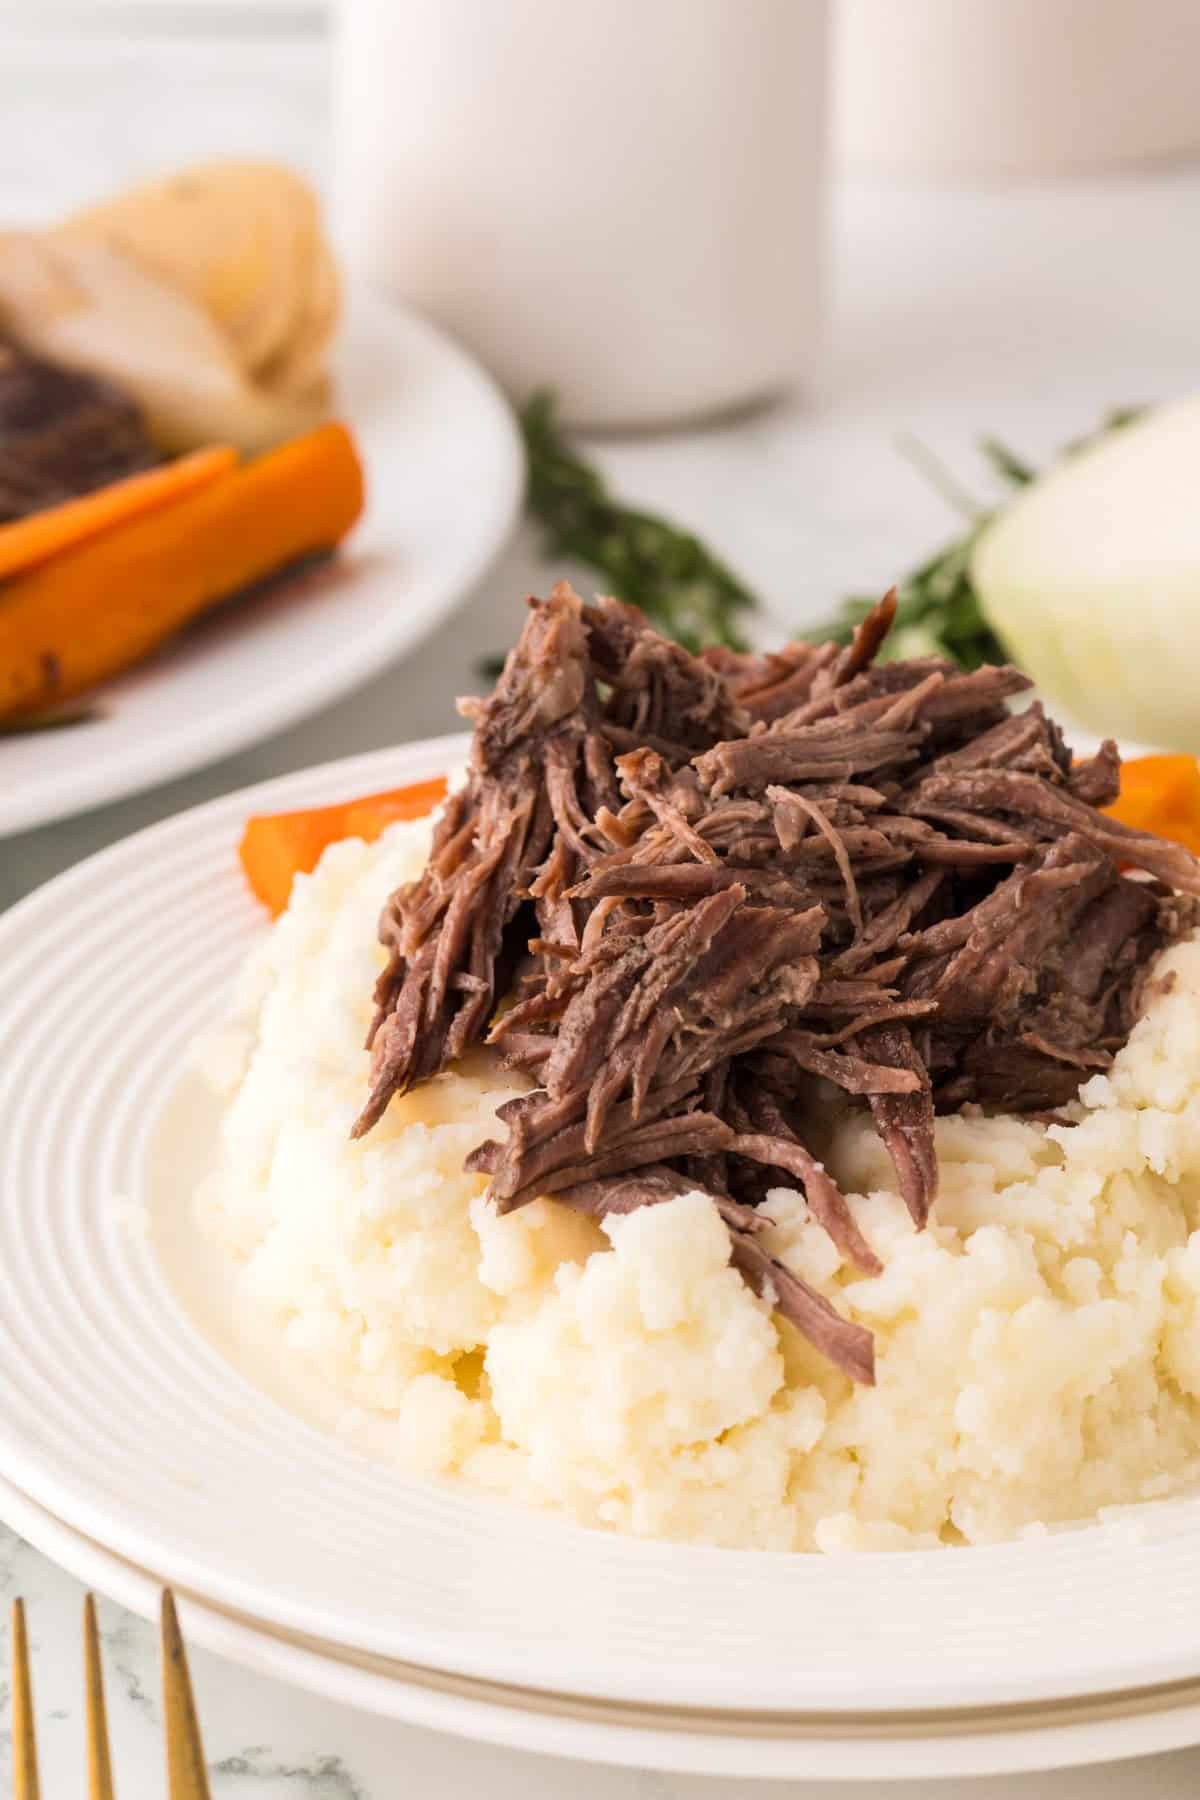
x: 96, y: 609
x: 1158, y: 793
x: 276, y: 847
x: 26, y: 542
x: 369, y: 818
x: 1161, y: 794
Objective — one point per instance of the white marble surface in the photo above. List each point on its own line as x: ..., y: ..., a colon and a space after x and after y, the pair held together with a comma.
x: 1024, y: 313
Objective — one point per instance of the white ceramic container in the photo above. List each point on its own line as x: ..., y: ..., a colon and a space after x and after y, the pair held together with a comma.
x: 1015, y: 88
x: 623, y: 200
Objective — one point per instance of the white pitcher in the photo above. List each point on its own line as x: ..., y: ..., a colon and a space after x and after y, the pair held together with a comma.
x: 621, y: 199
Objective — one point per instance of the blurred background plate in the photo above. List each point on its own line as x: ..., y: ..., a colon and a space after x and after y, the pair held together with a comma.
x: 444, y: 472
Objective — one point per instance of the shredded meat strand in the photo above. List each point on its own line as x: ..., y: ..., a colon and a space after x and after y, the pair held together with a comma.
x: 711, y: 892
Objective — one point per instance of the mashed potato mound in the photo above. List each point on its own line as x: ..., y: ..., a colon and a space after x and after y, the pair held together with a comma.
x: 1038, y: 1345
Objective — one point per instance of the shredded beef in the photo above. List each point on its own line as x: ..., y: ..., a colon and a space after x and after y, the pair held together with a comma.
x: 694, y: 897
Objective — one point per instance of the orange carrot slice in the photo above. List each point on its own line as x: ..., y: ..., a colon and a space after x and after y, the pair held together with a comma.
x: 276, y: 847
x: 103, y: 605
x: 1161, y: 794
x: 26, y: 542
x: 369, y: 818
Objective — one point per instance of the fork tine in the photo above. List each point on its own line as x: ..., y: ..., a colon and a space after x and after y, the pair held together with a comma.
x: 186, y: 1775
x: 100, y: 1779
x: 25, y: 1769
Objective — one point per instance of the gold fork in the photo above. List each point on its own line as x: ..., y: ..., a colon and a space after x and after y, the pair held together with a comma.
x: 186, y: 1777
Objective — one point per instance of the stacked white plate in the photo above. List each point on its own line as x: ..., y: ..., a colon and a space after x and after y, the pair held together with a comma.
x: 135, y: 1448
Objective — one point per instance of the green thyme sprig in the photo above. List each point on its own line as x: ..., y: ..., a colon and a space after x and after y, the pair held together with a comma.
x: 937, y: 612
x: 937, y: 608
x: 682, y: 588
x: 692, y: 596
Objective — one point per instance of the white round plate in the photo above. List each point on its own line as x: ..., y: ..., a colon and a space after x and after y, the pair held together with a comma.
x: 445, y: 473
x: 122, y: 1419
x: 800, y: 1747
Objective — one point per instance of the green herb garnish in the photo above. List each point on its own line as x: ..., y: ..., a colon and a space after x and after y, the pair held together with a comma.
x: 692, y: 596
x: 682, y: 588
x: 937, y: 609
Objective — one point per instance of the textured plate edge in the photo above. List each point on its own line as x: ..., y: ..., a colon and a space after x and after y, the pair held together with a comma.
x: 328, y: 781
x: 517, y: 1722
